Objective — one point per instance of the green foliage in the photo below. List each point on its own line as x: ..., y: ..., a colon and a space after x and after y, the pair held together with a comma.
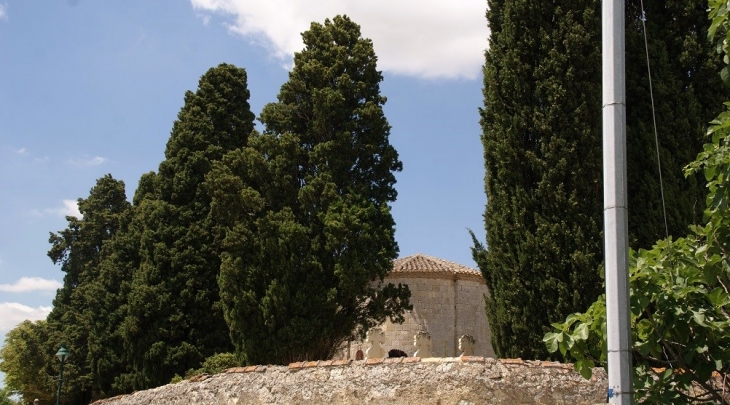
x: 24, y: 361
x: 214, y: 364
x: 680, y: 297
x: 176, y: 379
x: 680, y: 302
x: 687, y: 93
x: 304, y: 208
x: 5, y: 397
x: 720, y: 25
x: 541, y: 137
x: 542, y: 148
x: 173, y: 318
x: 108, y: 296
x: 80, y: 249
x: 140, y: 302
x: 578, y: 335
x: 219, y: 362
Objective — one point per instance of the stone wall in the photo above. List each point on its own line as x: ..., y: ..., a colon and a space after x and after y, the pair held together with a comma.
x: 446, y: 308
x: 471, y: 316
x: 408, y: 381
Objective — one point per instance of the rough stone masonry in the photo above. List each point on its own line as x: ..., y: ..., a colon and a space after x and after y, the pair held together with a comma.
x: 401, y: 380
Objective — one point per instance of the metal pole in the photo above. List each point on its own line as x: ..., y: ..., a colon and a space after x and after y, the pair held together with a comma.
x: 60, y: 382
x: 615, y: 212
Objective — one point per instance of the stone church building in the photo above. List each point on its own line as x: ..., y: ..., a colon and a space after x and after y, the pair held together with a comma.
x: 448, y: 302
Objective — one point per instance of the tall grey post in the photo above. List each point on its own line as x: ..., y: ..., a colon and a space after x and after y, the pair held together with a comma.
x: 615, y: 212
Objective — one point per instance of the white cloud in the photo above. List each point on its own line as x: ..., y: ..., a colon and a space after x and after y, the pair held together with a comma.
x: 70, y: 208
x: 25, y: 153
x: 205, y: 18
x: 13, y: 313
x: 423, y: 38
x: 29, y: 284
x: 3, y: 11
x: 87, y: 161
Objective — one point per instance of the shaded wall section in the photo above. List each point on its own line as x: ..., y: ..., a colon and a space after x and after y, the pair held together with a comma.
x: 446, y: 309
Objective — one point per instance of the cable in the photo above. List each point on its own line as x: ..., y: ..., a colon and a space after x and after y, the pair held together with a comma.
x: 653, y: 116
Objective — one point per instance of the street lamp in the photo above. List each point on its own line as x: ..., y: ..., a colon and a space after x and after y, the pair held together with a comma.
x: 62, y: 355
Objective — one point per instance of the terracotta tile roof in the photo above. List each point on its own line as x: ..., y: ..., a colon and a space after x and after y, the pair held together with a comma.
x: 432, y: 267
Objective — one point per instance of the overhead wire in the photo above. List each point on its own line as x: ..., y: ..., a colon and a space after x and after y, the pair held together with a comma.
x: 653, y: 116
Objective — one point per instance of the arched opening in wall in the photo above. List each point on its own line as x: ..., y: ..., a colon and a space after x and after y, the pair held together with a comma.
x: 397, y: 353
x: 359, y: 355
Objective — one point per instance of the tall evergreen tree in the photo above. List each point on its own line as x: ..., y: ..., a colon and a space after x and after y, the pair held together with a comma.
x: 542, y: 148
x: 174, y: 321
x: 108, y: 301
x: 79, y: 249
x: 541, y: 139
x: 687, y: 92
x: 305, y: 208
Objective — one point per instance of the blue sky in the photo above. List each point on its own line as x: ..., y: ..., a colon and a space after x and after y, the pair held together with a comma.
x: 93, y: 87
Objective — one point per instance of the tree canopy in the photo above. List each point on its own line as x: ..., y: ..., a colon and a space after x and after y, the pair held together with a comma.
x: 5, y: 397
x: 542, y: 149
x: 679, y: 302
x: 174, y: 321
x: 687, y: 93
x: 107, y: 309
x: 541, y: 137
x: 24, y: 359
x: 80, y: 249
x: 680, y: 296
x: 305, y: 208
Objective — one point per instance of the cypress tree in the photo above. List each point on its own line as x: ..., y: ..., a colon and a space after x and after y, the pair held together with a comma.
x: 80, y: 249
x: 541, y: 123
x: 174, y: 321
x: 305, y: 208
x: 108, y: 305
x: 542, y: 148
x: 687, y: 92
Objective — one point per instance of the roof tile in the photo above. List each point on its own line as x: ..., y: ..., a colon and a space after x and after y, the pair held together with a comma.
x: 423, y: 264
